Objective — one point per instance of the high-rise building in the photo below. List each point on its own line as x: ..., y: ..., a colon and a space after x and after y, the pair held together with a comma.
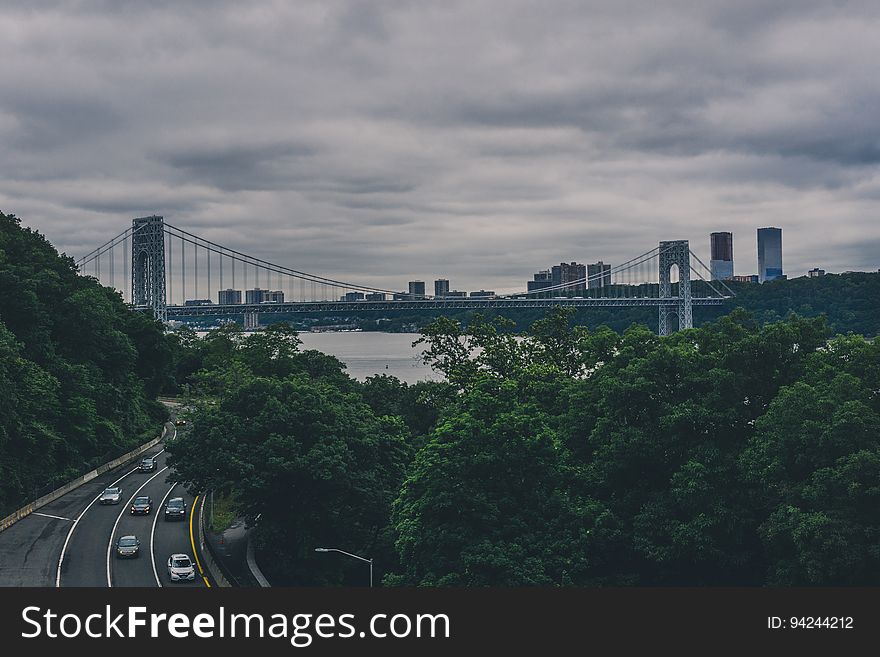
x: 769, y: 254
x: 254, y: 296
x: 570, y: 275
x: 599, y: 275
x: 417, y: 289
x: 441, y: 287
x: 229, y: 297
x: 273, y: 296
x: 542, y: 279
x: 721, y: 262
x: 354, y: 296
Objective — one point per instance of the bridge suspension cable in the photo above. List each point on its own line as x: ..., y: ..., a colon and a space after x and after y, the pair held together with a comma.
x: 259, y: 263
x: 709, y: 280
x: 599, y: 276
x: 106, y: 246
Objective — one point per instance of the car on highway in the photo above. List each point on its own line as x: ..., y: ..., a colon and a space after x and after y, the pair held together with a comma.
x: 180, y: 568
x: 142, y: 506
x: 111, y: 495
x: 128, y: 547
x: 147, y: 464
x: 175, y: 509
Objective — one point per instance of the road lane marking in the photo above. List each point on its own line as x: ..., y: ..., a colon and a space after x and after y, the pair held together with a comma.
x: 202, y: 520
x: 49, y: 515
x: 153, y: 535
x: 192, y: 512
x: 79, y: 517
x: 75, y: 523
x: 119, y: 517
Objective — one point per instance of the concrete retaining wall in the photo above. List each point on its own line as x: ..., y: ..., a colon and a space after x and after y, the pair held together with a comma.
x: 252, y: 564
x: 25, y: 511
x: 205, y: 551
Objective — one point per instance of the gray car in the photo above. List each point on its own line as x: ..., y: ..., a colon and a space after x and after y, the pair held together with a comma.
x: 128, y: 547
x: 111, y: 495
x: 147, y: 464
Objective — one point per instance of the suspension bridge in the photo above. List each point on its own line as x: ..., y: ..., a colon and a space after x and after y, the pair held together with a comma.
x: 174, y: 274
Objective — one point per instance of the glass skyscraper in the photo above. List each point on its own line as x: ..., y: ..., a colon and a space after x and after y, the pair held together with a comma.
x: 769, y: 254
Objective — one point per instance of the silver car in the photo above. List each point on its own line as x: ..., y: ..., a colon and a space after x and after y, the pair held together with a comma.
x: 180, y: 568
x: 111, y: 495
x: 147, y: 464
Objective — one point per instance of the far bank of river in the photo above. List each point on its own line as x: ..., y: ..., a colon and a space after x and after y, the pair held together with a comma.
x: 366, y: 353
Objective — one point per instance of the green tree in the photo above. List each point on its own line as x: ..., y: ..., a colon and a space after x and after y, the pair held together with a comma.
x: 486, y: 501
x: 813, y: 465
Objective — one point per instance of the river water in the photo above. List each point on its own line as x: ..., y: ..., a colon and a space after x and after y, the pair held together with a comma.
x: 366, y: 353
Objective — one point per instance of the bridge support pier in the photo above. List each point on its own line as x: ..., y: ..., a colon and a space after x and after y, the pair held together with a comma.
x: 251, y: 321
x: 676, y: 253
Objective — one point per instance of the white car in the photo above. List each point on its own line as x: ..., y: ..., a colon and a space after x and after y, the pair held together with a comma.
x: 111, y: 495
x: 180, y: 568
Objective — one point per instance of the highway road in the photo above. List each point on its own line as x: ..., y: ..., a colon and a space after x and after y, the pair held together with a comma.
x: 84, y: 532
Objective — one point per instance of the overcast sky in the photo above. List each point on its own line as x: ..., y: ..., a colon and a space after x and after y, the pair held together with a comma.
x: 478, y: 141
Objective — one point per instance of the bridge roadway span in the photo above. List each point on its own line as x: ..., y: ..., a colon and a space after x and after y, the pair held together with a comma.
x: 31, y: 548
x: 426, y: 304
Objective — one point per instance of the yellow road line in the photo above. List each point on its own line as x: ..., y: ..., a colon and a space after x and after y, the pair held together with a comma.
x: 192, y: 540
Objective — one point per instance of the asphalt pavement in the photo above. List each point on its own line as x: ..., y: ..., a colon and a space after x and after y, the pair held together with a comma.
x: 85, y: 532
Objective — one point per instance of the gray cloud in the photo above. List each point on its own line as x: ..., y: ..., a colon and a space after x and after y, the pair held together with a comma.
x: 387, y: 141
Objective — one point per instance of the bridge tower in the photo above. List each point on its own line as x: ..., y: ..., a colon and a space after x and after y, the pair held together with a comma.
x: 677, y: 253
x: 148, y: 265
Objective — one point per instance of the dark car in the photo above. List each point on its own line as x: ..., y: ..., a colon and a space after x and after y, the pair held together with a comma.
x: 175, y: 509
x: 147, y: 464
x: 142, y: 506
x: 128, y: 547
x: 180, y: 423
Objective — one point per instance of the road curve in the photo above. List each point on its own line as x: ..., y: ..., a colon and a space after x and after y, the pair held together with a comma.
x: 83, y: 531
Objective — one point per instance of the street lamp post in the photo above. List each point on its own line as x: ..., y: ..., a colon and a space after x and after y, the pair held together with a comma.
x: 369, y: 561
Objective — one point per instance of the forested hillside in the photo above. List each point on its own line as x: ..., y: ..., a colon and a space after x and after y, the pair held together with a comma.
x: 851, y: 302
x: 79, y: 372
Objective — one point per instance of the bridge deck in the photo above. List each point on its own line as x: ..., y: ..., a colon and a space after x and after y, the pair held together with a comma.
x: 422, y: 304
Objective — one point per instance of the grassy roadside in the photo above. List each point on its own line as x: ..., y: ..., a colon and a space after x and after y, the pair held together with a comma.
x: 223, y: 512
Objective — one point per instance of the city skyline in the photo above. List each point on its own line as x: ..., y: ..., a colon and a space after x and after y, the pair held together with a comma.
x: 383, y: 143
x: 565, y: 277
